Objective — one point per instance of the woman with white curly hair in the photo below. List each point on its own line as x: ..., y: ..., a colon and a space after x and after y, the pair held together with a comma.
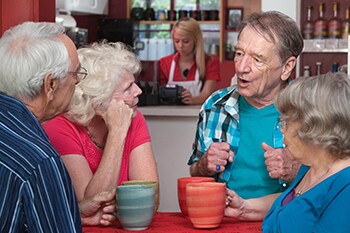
x: 103, y: 139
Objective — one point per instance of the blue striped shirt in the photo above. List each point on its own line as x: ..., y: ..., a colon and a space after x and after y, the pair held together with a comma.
x: 36, y: 193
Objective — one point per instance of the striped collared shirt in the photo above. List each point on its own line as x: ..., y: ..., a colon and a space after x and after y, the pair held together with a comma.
x: 36, y: 192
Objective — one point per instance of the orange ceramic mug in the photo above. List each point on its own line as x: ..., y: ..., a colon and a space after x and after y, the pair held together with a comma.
x: 206, y: 203
x: 181, y: 189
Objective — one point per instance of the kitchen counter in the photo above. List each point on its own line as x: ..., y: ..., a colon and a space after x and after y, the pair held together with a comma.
x: 172, y: 130
x: 176, y: 110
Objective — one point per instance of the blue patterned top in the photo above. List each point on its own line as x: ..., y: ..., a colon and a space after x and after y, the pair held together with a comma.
x: 36, y: 192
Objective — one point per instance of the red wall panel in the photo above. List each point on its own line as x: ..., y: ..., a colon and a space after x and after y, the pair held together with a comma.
x: 13, y: 12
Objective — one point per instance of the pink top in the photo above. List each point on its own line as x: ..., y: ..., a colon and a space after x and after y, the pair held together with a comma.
x: 212, y: 69
x: 70, y: 138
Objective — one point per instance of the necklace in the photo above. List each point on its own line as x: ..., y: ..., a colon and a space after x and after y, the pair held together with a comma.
x: 301, y: 190
x: 100, y: 147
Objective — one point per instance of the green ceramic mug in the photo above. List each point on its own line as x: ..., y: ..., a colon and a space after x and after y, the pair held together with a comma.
x: 135, y: 206
x: 155, y: 184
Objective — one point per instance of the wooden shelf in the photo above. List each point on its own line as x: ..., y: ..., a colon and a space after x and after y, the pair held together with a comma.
x: 152, y: 22
x: 326, y: 51
x: 231, y: 30
x: 325, y: 46
x: 248, y: 6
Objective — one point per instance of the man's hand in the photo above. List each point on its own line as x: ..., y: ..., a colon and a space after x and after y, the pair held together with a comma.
x: 215, y: 159
x: 98, y: 209
x: 278, y: 164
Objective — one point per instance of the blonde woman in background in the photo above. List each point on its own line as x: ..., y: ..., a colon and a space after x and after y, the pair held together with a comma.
x: 103, y: 139
x: 190, y: 66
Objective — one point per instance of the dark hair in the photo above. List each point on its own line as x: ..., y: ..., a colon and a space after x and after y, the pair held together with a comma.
x: 277, y: 28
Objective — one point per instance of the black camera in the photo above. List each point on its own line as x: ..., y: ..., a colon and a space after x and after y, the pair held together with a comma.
x: 170, y: 94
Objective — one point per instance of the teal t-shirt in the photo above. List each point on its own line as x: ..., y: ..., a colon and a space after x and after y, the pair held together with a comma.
x: 249, y: 177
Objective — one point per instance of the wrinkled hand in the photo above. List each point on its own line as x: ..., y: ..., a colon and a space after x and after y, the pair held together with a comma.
x: 234, y: 204
x: 118, y: 115
x: 98, y: 209
x: 278, y: 164
x: 186, y: 97
x: 218, y: 153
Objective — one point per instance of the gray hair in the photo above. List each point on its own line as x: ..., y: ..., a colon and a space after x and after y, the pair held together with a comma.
x: 279, y: 29
x: 322, y: 106
x: 28, y: 52
x: 106, y: 64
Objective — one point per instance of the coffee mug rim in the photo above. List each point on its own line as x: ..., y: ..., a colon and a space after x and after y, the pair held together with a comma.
x: 195, y: 178
x: 137, y: 186
x: 147, y: 182
x: 206, y: 184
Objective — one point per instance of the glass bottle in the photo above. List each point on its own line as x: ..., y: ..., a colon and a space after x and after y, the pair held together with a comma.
x: 318, y: 68
x: 346, y: 25
x: 308, y: 27
x: 320, y: 25
x: 334, y: 67
x: 334, y: 24
x: 306, y: 71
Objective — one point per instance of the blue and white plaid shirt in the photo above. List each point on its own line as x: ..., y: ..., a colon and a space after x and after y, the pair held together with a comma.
x: 219, y: 122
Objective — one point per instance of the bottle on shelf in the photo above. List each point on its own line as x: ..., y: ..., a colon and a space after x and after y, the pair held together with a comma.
x: 308, y: 27
x: 346, y: 25
x: 318, y: 68
x: 334, y: 24
x: 320, y: 25
x: 306, y: 71
x: 334, y: 67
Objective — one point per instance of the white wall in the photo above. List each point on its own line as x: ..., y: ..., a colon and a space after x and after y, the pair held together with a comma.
x: 172, y: 138
x: 288, y: 7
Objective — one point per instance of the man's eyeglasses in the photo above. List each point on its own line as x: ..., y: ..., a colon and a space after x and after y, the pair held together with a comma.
x: 80, y: 74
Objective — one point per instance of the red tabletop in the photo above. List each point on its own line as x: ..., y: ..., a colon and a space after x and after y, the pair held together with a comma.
x: 175, y: 222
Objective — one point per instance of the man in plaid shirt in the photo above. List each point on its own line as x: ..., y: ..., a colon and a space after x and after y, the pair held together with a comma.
x: 238, y: 139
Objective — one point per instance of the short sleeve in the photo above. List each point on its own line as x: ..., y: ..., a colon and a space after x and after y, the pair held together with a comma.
x: 138, y: 133
x: 164, y: 69
x: 65, y: 136
x: 213, y: 69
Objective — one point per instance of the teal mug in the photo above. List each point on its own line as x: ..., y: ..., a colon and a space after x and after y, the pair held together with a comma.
x: 135, y: 206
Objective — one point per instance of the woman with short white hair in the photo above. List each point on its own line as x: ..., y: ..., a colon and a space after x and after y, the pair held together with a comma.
x: 103, y: 139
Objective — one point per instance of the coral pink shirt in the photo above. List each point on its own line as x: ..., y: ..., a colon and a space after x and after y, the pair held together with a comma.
x: 212, y: 69
x: 70, y: 138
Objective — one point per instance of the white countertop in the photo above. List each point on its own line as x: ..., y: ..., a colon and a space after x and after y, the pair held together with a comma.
x: 175, y: 110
